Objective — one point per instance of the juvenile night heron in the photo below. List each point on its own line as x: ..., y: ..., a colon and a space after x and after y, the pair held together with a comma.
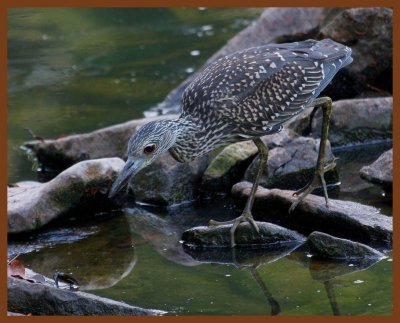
x: 244, y: 96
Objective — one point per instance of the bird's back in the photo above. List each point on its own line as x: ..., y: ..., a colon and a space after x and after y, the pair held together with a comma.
x: 252, y: 92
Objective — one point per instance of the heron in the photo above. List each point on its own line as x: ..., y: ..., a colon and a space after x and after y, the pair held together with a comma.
x: 244, y: 96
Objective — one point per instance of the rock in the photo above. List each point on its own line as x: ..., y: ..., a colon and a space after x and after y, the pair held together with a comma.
x: 167, y: 182
x: 278, y: 139
x: 245, y: 235
x: 353, y: 121
x: 227, y: 167
x: 107, y: 142
x: 327, y: 246
x: 368, y: 31
x: 84, y: 185
x: 42, y: 299
x: 275, y: 25
x: 344, y: 219
x: 291, y: 166
x: 380, y: 172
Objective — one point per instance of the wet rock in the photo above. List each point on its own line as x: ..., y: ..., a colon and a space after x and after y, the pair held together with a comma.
x: 353, y: 121
x: 344, y: 219
x: 275, y: 25
x: 278, y: 139
x: 292, y: 165
x: 85, y: 185
x: 219, y: 236
x: 227, y: 167
x: 380, y: 172
x: 106, y: 142
x: 42, y: 299
x: 327, y: 246
x: 368, y: 31
x: 167, y: 182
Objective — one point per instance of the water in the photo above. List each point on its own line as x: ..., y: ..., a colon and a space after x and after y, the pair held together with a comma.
x: 75, y: 70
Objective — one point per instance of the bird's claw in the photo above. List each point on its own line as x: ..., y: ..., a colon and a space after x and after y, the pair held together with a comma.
x: 317, y: 179
x: 245, y: 217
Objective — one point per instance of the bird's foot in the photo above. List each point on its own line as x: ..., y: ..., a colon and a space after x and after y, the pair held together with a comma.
x: 245, y: 217
x: 317, y: 181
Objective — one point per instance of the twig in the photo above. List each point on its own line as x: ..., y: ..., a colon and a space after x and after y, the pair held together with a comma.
x: 34, y: 136
x: 13, y: 259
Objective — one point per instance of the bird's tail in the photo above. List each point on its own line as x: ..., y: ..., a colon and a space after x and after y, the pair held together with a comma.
x: 330, y: 51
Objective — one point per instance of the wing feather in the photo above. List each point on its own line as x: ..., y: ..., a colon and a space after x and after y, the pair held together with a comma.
x: 258, y: 89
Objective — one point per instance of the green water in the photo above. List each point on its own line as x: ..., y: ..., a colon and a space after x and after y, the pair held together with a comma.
x: 75, y: 70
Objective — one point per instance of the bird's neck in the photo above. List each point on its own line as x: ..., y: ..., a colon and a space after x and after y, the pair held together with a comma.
x: 188, y: 144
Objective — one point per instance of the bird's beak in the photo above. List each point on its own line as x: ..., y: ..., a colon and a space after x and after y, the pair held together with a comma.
x: 132, y: 166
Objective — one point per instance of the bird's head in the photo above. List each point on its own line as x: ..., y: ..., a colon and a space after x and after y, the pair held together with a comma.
x: 144, y: 147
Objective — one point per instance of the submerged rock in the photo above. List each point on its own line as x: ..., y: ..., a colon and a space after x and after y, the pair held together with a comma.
x: 380, y: 172
x: 291, y: 166
x: 85, y: 184
x: 245, y: 235
x: 43, y: 299
x: 343, y: 218
x: 353, y: 121
x: 327, y: 246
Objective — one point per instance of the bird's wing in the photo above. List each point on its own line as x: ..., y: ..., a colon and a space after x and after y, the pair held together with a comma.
x: 260, y: 88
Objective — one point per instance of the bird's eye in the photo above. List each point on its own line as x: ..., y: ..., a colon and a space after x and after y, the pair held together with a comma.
x: 149, y: 149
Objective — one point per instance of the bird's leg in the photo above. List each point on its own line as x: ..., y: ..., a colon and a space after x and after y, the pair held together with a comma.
x: 326, y: 104
x: 246, y: 214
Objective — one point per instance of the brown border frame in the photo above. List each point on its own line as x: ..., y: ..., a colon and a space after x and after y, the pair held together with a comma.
x: 5, y: 4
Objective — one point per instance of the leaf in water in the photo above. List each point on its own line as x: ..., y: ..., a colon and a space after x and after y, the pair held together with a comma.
x: 16, y: 268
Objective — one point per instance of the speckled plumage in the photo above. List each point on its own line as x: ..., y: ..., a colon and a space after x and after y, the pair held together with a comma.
x: 242, y: 96
x: 251, y: 93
